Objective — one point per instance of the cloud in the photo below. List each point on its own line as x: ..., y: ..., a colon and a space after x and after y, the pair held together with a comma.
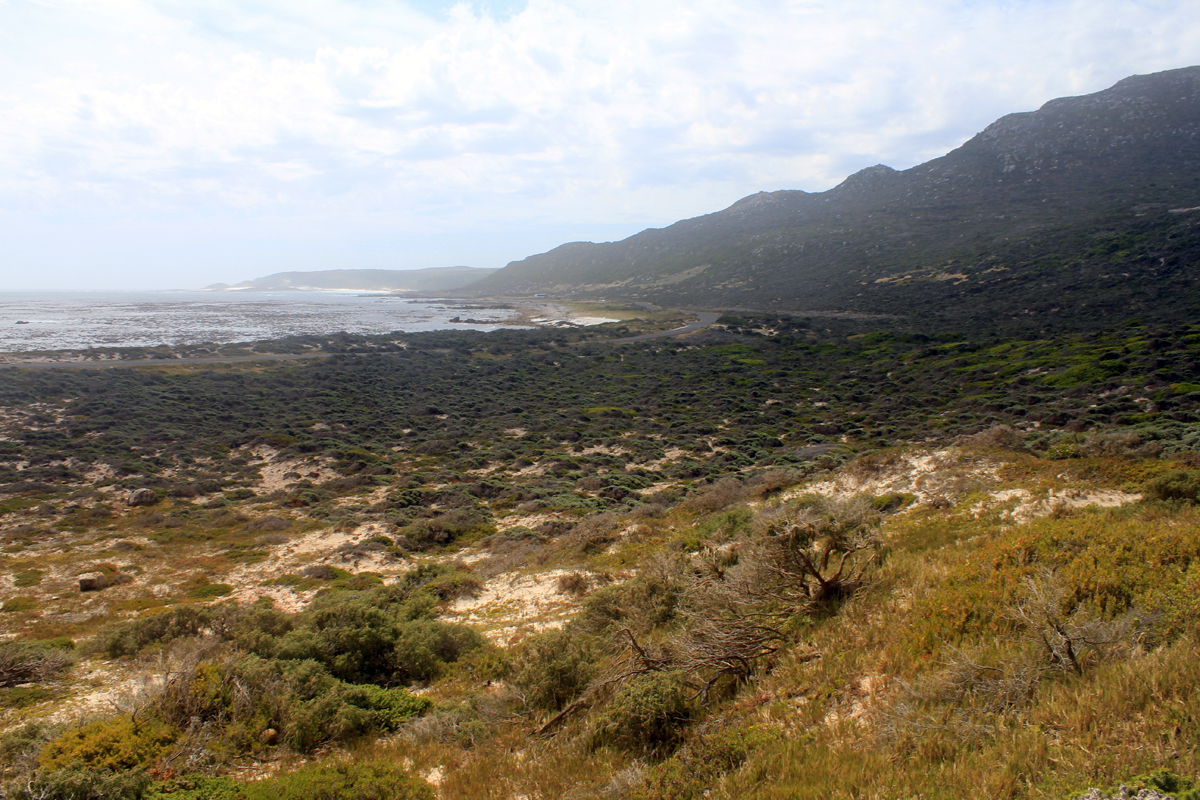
x: 399, y: 122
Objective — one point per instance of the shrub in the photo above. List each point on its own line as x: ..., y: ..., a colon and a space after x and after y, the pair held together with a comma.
x: 26, y: 662
x: 76, y: 783
x: 116, y: 744
x: 17, y: 604
x: 892, y: 502
x: 648, y: 714
x: 253, y: 627
x: 424, y: 647
x: 999, y: 436
x: 1178, y: 484
x: 716, y: 497
x: 20, y: 747
x: 208, y: 591
x: 196, y: 787
x: 343, y: 780
x: 128, y: 638
x: 555, y: 667
x: 391, y: 706
x: 27, y: 578
x: 703, y: 760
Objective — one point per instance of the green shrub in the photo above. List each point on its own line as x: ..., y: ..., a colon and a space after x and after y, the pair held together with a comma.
x: 702, y: 761
x: 1178, y: 484
x: 116, y: 744
x: 253, y: 627
x: 392, y: 707
x: 555, y: 667
x: 20, y: 747
x: 129, y: 638
x: 77, y: 783
x: 892, y: 502
x: 27, y: 578
x: 30, y: 662
x: 423, y: 647
x: 196, y: 787
x: 17, y: 604
x: 208, y: 591
x: 648, y: 714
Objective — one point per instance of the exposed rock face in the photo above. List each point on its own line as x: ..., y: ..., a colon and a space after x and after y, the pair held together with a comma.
x: 142, y: 497
x: 92, y: 582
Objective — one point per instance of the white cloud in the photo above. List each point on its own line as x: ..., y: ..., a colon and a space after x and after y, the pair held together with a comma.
x: 434, y: 132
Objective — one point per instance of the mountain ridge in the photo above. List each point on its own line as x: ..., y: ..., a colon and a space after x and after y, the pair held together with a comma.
x: 1030, y: 196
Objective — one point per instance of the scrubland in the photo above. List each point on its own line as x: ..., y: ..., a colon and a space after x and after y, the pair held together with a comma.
x: 780, y: 559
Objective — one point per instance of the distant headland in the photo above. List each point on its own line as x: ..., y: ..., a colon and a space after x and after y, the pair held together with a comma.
x: 431, y: 279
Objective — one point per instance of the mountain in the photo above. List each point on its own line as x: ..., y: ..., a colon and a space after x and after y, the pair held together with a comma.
x: 432, y: 279
x: 1087, y: 208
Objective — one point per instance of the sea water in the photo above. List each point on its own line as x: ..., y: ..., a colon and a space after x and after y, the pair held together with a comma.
x: 79, y: 320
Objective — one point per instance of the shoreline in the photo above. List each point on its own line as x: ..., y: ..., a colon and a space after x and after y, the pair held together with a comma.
x: 538, y: 314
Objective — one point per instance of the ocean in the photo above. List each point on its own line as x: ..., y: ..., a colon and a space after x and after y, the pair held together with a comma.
x: 79, y: 320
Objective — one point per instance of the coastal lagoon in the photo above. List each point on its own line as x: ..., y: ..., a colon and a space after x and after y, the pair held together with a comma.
x: 79, y: 320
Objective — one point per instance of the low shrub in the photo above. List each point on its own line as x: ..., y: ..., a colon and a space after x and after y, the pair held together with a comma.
x: 29, y: 662
x: 649, y: 714
x: 702, y: 761
x: 129, y: 638
x: 196, y: 787
x: 78, y: 783
x: 340, y: 780
x: 1178, y: 484
x: 553, y: 668
x: 116, y: 744
x: 27, y: 578
x: 18, y: 604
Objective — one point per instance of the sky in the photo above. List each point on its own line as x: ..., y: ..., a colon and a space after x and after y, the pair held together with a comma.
x: 158, y: 144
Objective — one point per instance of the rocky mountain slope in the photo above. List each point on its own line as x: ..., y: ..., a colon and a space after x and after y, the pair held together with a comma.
x: 1085, y: 208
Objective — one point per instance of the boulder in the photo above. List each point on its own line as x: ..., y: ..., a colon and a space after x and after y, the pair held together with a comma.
x: 92, y: 582
x: 142, y: 497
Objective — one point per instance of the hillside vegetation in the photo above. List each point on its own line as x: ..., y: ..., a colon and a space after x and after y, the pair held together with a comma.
x: 1074, y: 216
x: 783, y: 557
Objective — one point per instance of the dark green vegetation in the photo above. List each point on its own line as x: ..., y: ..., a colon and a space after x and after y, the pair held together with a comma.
x: 1081, y: 213
x: 771, y: 392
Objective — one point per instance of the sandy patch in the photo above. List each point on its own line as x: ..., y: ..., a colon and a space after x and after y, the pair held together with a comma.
x: 511, y: 607
x: 951, y: 473
x: 671, y: 454
x: 113, y: 688
x: 278, y: 474
x: 1026, y: 507
x: 927, y: 476
x: 862, y: 697
x: 531, y: 521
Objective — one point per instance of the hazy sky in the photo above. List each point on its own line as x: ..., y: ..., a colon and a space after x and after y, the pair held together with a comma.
x: 169, y: 143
